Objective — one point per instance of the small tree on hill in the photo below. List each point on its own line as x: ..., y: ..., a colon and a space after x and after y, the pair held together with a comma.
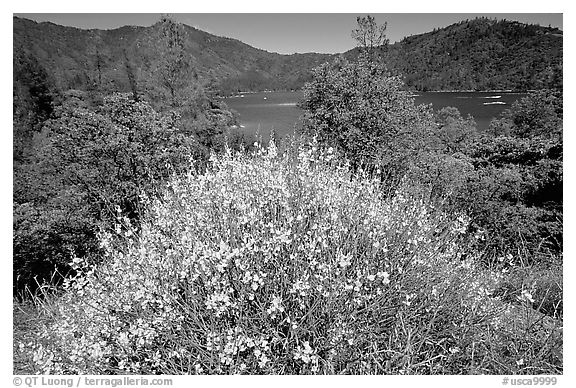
x: 174, y: 82
x: 369, y: 35
x: 174, y: 86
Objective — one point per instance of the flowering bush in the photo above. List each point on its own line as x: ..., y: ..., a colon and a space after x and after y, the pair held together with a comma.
x: 277, y: 263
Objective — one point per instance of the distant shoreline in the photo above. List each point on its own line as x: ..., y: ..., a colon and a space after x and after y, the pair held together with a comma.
x: 239, y: 94
x: 473, y: 91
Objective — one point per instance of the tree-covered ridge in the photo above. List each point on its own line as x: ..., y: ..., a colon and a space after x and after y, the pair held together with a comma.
x: 83, y: 58
x: 481, y: 54
x: 471, y: 55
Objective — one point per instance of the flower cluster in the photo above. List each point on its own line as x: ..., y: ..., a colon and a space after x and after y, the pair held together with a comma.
x: 268, y: 263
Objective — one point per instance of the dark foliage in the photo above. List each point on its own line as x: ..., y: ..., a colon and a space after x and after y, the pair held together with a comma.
x: 91, y: 165
x: 33, y: 101
x: 526, y: 142
x: 481, y: 54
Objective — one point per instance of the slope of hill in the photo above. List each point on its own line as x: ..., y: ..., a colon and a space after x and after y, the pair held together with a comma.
x: 481, y: 54
x: 478, y: 54
x: 85, y: 58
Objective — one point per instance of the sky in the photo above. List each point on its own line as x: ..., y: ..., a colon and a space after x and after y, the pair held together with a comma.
x: 289, y: 33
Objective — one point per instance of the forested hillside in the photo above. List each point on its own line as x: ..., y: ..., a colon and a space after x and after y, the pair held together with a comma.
x: 471, y: 55
x: 481, y: 54
x: 80, y: 59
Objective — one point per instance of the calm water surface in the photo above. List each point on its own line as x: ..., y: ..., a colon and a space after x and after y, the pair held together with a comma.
x: 263, y: 112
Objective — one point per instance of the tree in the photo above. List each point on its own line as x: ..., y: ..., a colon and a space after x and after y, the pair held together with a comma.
x: 455, y: 133
x: 33, y: 101
x: 130, y: 72
x: 122, y: 149
x: 174, y: 82
x: 362, y: 109
x: 539, y: 114
x: 173, y: 86
x: 368, y: 34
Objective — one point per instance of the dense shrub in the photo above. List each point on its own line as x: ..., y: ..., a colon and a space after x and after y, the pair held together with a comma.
x: 537, y: 115
x: 288, y: 263
x: 362, y: 110
x: 89, y: 163
x: 453, y: 134
x: 521, y: 159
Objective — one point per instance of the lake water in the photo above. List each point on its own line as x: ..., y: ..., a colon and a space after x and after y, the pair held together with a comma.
x: 262, y: 112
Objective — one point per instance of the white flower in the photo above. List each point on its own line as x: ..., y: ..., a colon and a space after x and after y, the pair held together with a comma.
x: 123, y: 339
x: 527, y: 296
x: 305, y: 354
x: 275, y: 305
x: 344, y: 261
x: 385, y: 277
x: 263, y: 361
